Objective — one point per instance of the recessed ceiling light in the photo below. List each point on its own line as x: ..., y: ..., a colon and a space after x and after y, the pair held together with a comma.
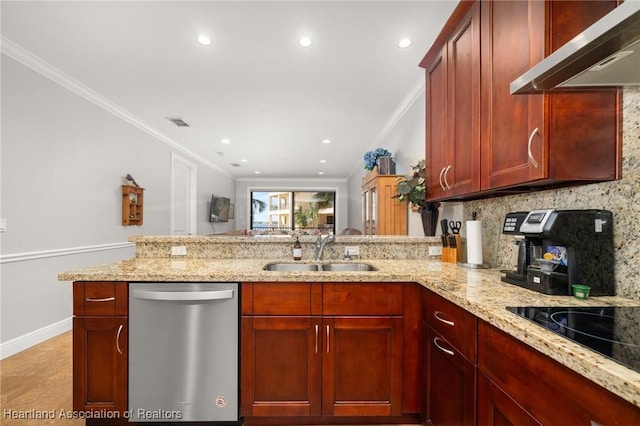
x: 320, y: 173
x: 244, y: 160
x: 326, y: 141
x: 226, y: 140
x: 305, y: 42
x: 204, y: 40
x: 323, y: 161
x: 404, y: 43
x: 256, y: 172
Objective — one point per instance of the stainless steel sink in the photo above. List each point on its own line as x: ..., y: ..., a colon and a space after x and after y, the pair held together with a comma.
x: 292, y: 267
x: 347, y: 267
x: 323, y: 267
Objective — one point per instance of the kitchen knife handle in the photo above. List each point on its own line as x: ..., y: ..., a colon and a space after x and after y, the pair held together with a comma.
x: 531, y: 159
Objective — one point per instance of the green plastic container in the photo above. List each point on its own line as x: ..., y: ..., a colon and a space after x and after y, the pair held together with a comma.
x: 581, y: 291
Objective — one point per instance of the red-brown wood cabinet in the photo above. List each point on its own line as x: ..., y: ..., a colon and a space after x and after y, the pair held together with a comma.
x: 314, y: 349
x: 451, y: 363
x: 100, y: 346
x: 521, y: 386
x: 453, y: 108
x: 480, y: 140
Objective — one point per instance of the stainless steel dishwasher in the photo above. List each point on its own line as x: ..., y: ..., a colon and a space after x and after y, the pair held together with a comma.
x: 183, y: 352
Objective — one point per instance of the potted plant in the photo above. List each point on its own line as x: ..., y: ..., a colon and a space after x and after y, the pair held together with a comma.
x: 412, y: 189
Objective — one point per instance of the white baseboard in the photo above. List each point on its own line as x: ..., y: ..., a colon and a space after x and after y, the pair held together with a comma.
x: 30, y: 339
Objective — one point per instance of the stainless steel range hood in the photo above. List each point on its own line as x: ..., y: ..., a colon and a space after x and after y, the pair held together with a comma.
x: 605, y: 54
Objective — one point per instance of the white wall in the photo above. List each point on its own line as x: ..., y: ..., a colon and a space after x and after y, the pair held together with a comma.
x: 406, y: 140
x: 62, y: 163
x: 245, y: 186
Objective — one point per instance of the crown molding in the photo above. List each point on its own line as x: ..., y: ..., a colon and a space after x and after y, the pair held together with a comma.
x: 37, y: 64
x: 410, y: 98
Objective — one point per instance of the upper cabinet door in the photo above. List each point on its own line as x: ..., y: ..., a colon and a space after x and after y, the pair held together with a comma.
x: 436, y: 129
x: 512, y: 42
x: 453, y: 108
x: 537, y: 140
x: 463, y: 169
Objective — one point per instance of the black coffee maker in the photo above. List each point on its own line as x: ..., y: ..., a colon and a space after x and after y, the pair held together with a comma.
x: 578, y: 243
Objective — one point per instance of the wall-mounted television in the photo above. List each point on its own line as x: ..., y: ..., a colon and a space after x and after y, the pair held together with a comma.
x: 219, y: 210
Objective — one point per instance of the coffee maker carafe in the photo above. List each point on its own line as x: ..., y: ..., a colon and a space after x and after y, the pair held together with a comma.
x: 579, y: 243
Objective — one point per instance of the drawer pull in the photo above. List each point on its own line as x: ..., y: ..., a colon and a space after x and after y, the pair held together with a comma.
x: 435, y: 314
x: 317, y: 338
x: 100, y: 299
x: 446, y: 351
x: 118, y: 339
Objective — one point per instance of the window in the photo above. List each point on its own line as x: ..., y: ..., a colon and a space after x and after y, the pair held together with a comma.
x: 283, y: 211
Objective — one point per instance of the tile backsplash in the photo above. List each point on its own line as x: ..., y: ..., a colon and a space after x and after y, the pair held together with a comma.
x: 621, y: 197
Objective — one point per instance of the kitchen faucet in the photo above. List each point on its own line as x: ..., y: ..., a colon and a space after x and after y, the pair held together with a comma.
x: 321, y: 242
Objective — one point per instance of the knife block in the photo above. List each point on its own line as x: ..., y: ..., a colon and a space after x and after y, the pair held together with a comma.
x: 453, y: 254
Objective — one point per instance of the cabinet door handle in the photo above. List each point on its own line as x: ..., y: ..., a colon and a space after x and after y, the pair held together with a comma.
x: 327, y: 338
x: 439, y: 318
x: 446, y: 351
x: 118, y: 339
x: 440, y: 179
x: 445, y: 177
x: 100, y: 299
x: 531, y: 159
x: 317, y: 326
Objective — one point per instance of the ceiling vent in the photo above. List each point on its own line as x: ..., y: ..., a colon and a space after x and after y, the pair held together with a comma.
x: 178, y: 121
x: 235, y: 165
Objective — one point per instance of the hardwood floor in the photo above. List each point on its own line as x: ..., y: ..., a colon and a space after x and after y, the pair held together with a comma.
x: 37, y: 382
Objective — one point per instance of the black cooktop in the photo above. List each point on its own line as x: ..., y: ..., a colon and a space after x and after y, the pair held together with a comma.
x: 612, y: 331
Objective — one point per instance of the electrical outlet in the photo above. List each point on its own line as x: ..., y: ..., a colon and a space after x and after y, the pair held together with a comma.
x: 352, y: 250
x: 179, y: 251
x: 3, y: 225
x: 435, y: 250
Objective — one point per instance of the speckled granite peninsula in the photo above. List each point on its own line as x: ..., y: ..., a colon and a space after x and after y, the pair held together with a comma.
x: 480, y: 292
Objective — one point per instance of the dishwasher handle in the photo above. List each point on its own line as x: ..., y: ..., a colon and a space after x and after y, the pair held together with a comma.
x: 182, y: 296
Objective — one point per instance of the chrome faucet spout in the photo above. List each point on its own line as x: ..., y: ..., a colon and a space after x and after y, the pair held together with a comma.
x: 321, y: 243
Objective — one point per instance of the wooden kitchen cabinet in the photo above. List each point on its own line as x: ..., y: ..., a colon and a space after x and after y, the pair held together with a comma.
x: 451, y: 369
x: 480, y: 140
x: 100, y: 346
x: 333, y: 349
x: 382, y: 214
x: 496, y: 408
x: 453, y: 106
x: 535, y: 140
x: 521, y: 386
x: 281, y: 366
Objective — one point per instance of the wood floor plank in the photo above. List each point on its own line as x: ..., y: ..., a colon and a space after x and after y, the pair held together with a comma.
x: 38, y: 382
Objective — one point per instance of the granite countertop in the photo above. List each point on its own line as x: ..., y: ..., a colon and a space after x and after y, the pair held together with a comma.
x: 478, y: 291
